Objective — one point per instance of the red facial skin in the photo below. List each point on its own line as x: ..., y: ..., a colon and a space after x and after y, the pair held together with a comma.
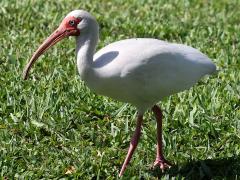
x: 68, y: 27
x: 71, y: 29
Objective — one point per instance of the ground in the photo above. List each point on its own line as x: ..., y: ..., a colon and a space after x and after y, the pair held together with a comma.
x: 53, y: 126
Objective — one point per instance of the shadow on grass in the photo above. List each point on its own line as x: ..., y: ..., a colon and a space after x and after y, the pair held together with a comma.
x: 204, y: 169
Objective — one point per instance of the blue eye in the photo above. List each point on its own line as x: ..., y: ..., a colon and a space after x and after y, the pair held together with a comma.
x: 71, y: 22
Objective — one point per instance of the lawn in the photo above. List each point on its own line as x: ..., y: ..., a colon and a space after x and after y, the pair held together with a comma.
x: 53, y: 126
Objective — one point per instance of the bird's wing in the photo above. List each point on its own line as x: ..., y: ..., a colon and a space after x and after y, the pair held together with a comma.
x: 149, y: 68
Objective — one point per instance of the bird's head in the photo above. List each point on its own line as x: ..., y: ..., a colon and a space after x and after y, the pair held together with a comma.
x: 75, y: 23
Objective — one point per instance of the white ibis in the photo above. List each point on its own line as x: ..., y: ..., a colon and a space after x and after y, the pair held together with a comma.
x: 139, y: 71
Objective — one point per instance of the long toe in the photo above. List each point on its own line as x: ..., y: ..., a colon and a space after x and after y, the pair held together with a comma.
x: 162, y: 164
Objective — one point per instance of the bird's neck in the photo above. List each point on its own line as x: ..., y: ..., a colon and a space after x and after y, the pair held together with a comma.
x: 86, y: 46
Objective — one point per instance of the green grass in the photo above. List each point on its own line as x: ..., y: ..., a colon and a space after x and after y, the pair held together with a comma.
x: 53, y: 122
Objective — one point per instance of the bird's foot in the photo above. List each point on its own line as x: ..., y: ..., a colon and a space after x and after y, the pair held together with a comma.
x: 162, y: 163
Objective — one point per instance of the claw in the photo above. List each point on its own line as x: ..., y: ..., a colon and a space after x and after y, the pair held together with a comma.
x: 163, y: 164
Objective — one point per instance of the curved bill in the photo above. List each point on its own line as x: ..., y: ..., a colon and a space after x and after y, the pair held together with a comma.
x: 55, y: 37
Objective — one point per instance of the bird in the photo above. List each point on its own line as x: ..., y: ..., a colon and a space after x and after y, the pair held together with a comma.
x: 138, y: 71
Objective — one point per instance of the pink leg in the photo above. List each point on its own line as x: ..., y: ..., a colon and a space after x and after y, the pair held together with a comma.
x: 160, y: 160
x: 133, y: 144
